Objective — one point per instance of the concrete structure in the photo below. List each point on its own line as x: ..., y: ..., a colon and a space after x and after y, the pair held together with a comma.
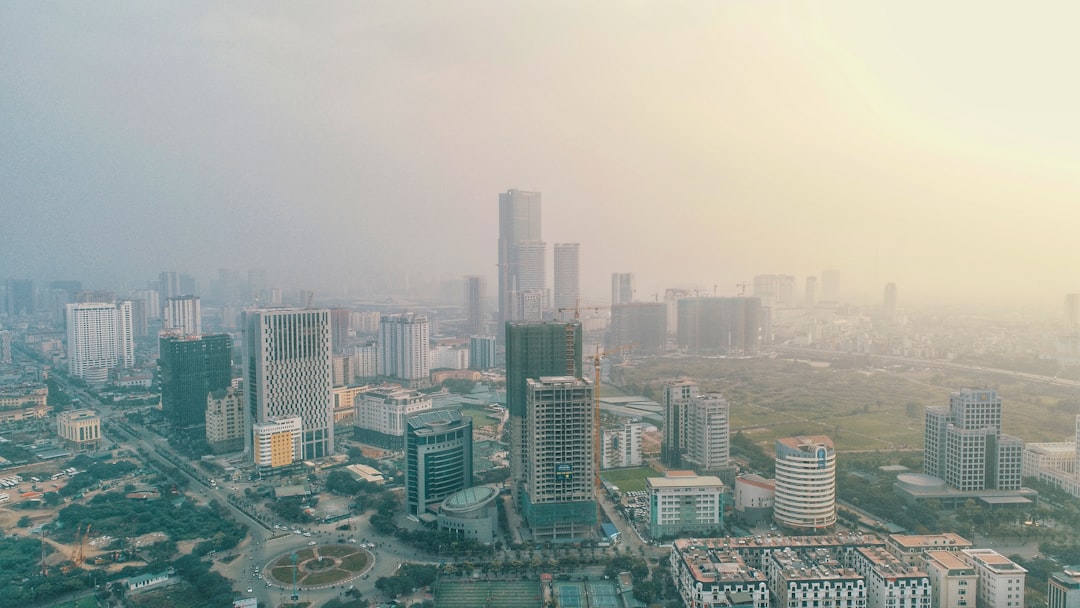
x: 471, y: 514
x: 720, y: 326
x: 684, y: 504
x: 404, y: 349
x: 965, y: 446
x: 641, y: 324
x: 482, y: 352
x: 287, y: 372
x: 805, y: 483
x: 438, y: 458
x: 519, y: 221
x: 910, y: 548
x: 890, y: 582
x: 1063, y: 588
x: 567, y: 276
x: 381, y: 413
x: 1001, y: 581
x: 754, y: 497
x: 802, y: 577
x: 558, y: 498
x: 621, y: 446
x: 225, y: 419
x: 183, y: 315
x: 622, y: 288
x: 345, y: 403
x: 953, y: 581
x: 775, y: 290
x: 475, y: 294
x: 277, y: 443
x: 192, y: 366
x: 99, y: 338
x: 678, y: 394
x: 80, y: 429
x: 708, y: 427
x: 534, y: 350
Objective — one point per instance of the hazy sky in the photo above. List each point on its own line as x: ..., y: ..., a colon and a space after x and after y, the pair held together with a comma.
x: 933, y: 144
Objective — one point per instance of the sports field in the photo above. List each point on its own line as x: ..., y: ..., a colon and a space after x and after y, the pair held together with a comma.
x: 599, y: 594
x: 488, y: 594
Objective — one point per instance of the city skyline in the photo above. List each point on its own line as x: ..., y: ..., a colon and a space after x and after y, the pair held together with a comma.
x: 692, y: 144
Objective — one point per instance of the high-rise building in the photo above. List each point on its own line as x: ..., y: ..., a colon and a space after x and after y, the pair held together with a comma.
x: 671, y: 301
x: 708, y: 428
x: 438, y: 459
x: 80, y: 429
x: 152, y: 299
x: 99, y: 339
x: 622, y: 288
x: 805, y: 483
x: 810, y: 294
x: 567, y: 276
x: 183, y: 315
x: 475, y: 293
x: 481, y: 352
x: 621, y: 446
x: 192, y: 366
x: 339, y: 328
x: 277, y: 444
x: 381, y: 412
x: 775, y: 290
x: 225, y: 419
x: 19, y: 297
x: 5, y: 347
x: 965, y: 446
x: 678, y: 394
x: 404, y: 349
x: 558, y: 497
x: 720, y: 326
x: 288, y: 372
x: 519, y: 222
x: 527, y: 305
x: 682, y: 503
x: 1001, y: 580
x: 139, y: 317
x: 1063, y: 588
x: 169, y: 285
x: 640, y: 324
x: 534, y: 350
x: 532, y: 268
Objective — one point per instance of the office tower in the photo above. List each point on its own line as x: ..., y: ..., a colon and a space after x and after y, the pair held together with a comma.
x: 810, y: 295
x: 720, y: 326
x: 964, y: 445
x: 621, y: 446
x: 708, y: 428
x: 225, y: 419
x: 404, y: 349
x: 80, y: 429
x: 890, y: 300
x: 139, y: 318
x: 438, y: 458
x: 287, y: 372
x: 1063, y: 588
x: 622, y: 288
x: 671, y: 302
x: 192, y: 366
x: 640, y: 324
x: 277, y: 443
x: 19, y: 297
x: 475, y: 292
x: 805, y: 483
x: 558, y: 497
x: 481, y: 352
x: 153, y: 302
x: 339, y: 328
x: 526, y: 305
x: 567, y: 281
x: 169, y: 285
x: 830, y: 285
x: 183, y: 315
x: 534, y: 350
x: 1072, y: 311
x: 99, y: 338
x: 678, y: 394
x: 380, y: 414
x: 519, y: 222
x: 775, y: 290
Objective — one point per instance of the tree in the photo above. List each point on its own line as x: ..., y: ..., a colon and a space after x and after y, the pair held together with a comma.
x: 24, y: 522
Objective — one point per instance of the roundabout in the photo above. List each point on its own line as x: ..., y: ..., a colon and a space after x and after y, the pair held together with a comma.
x: 318, y: 566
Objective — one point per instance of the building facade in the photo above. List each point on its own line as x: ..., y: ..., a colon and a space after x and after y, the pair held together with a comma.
x: 1063, y: 589
x: 1001, y: 581
x: 481, y: 352
x: 640, y: 324
x: 475, y: 294
x: 567, y: 276
x: 621, y: 446
x: 438, y: 459
x: 192, y: 366
x: 953, y: 581
x: 678, y: 394
x: 720, y: 326
x: 225, y: 419
x: 685, y: 504
x: 708, y: 428
x: 183, y: 315
x: 964, y: 445
x: 805, y: 483
x: 381, y: 413
x: 80, y: 429
x: 404, y: 349
x: 287, y: 361
x: 519, y: 221
x: 277, y: 444
x: 99, y: 338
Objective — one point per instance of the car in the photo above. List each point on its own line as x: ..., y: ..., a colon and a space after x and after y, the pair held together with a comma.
x: 249, y: 590
x: 312, y: 543
x: 307, y: 534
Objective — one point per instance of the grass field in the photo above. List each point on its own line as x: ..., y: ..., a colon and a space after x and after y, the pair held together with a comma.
x: 629, y: 480
x: 85, y: 602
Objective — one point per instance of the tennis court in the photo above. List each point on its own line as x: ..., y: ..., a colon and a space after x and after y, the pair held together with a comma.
x: 488, y: 594
x: 570, y: 595
x: 602, y: 595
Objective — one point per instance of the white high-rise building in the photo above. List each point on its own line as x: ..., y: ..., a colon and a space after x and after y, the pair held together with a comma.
x: 404, y: 349
x: 183, y: 314
x: 100, y: 337
x: 622, y: 288
x: 621, y: 446
x: 708, y: 424
x: 532, y: 269
x: 567, y: 281
x: 527, y: 305
x: 288, y: 371
x: 1001, y: 580
x: 805, y: 483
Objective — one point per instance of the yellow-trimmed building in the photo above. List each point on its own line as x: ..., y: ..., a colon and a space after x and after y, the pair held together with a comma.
x: 81, y: 429
x: 277, y: 443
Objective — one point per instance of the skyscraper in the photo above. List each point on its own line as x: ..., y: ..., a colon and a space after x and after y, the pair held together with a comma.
x: 169, y: 285
x: 678, y: 394
x: 775, y: 290
x: 288, y: 372
x: 965, y: 446
x: 404, y: 349
x: 438, y: 458
x: 805, y: 483
x: 559, y: 498
x: 622, y: 288
x: 100, y: 337
x: 567, y: 281
x: 339, y: 328
x: 640, y: 324
x: 183, y: 315
x: 723, y: 326
x: 191, y: 367
x: 708, y: 428
x: 475, y: 292
x: 534, y: 350
x: 19, y: 300
x: 519, y: 222
x: 481, y: 352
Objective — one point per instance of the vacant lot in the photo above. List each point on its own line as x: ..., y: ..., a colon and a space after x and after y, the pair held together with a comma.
x: 629, y: 480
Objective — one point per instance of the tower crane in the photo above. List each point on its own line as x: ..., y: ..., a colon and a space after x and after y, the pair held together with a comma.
x: 577, y: 308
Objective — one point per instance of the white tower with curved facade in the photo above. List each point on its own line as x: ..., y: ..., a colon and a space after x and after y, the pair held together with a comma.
x: 805, y: 483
